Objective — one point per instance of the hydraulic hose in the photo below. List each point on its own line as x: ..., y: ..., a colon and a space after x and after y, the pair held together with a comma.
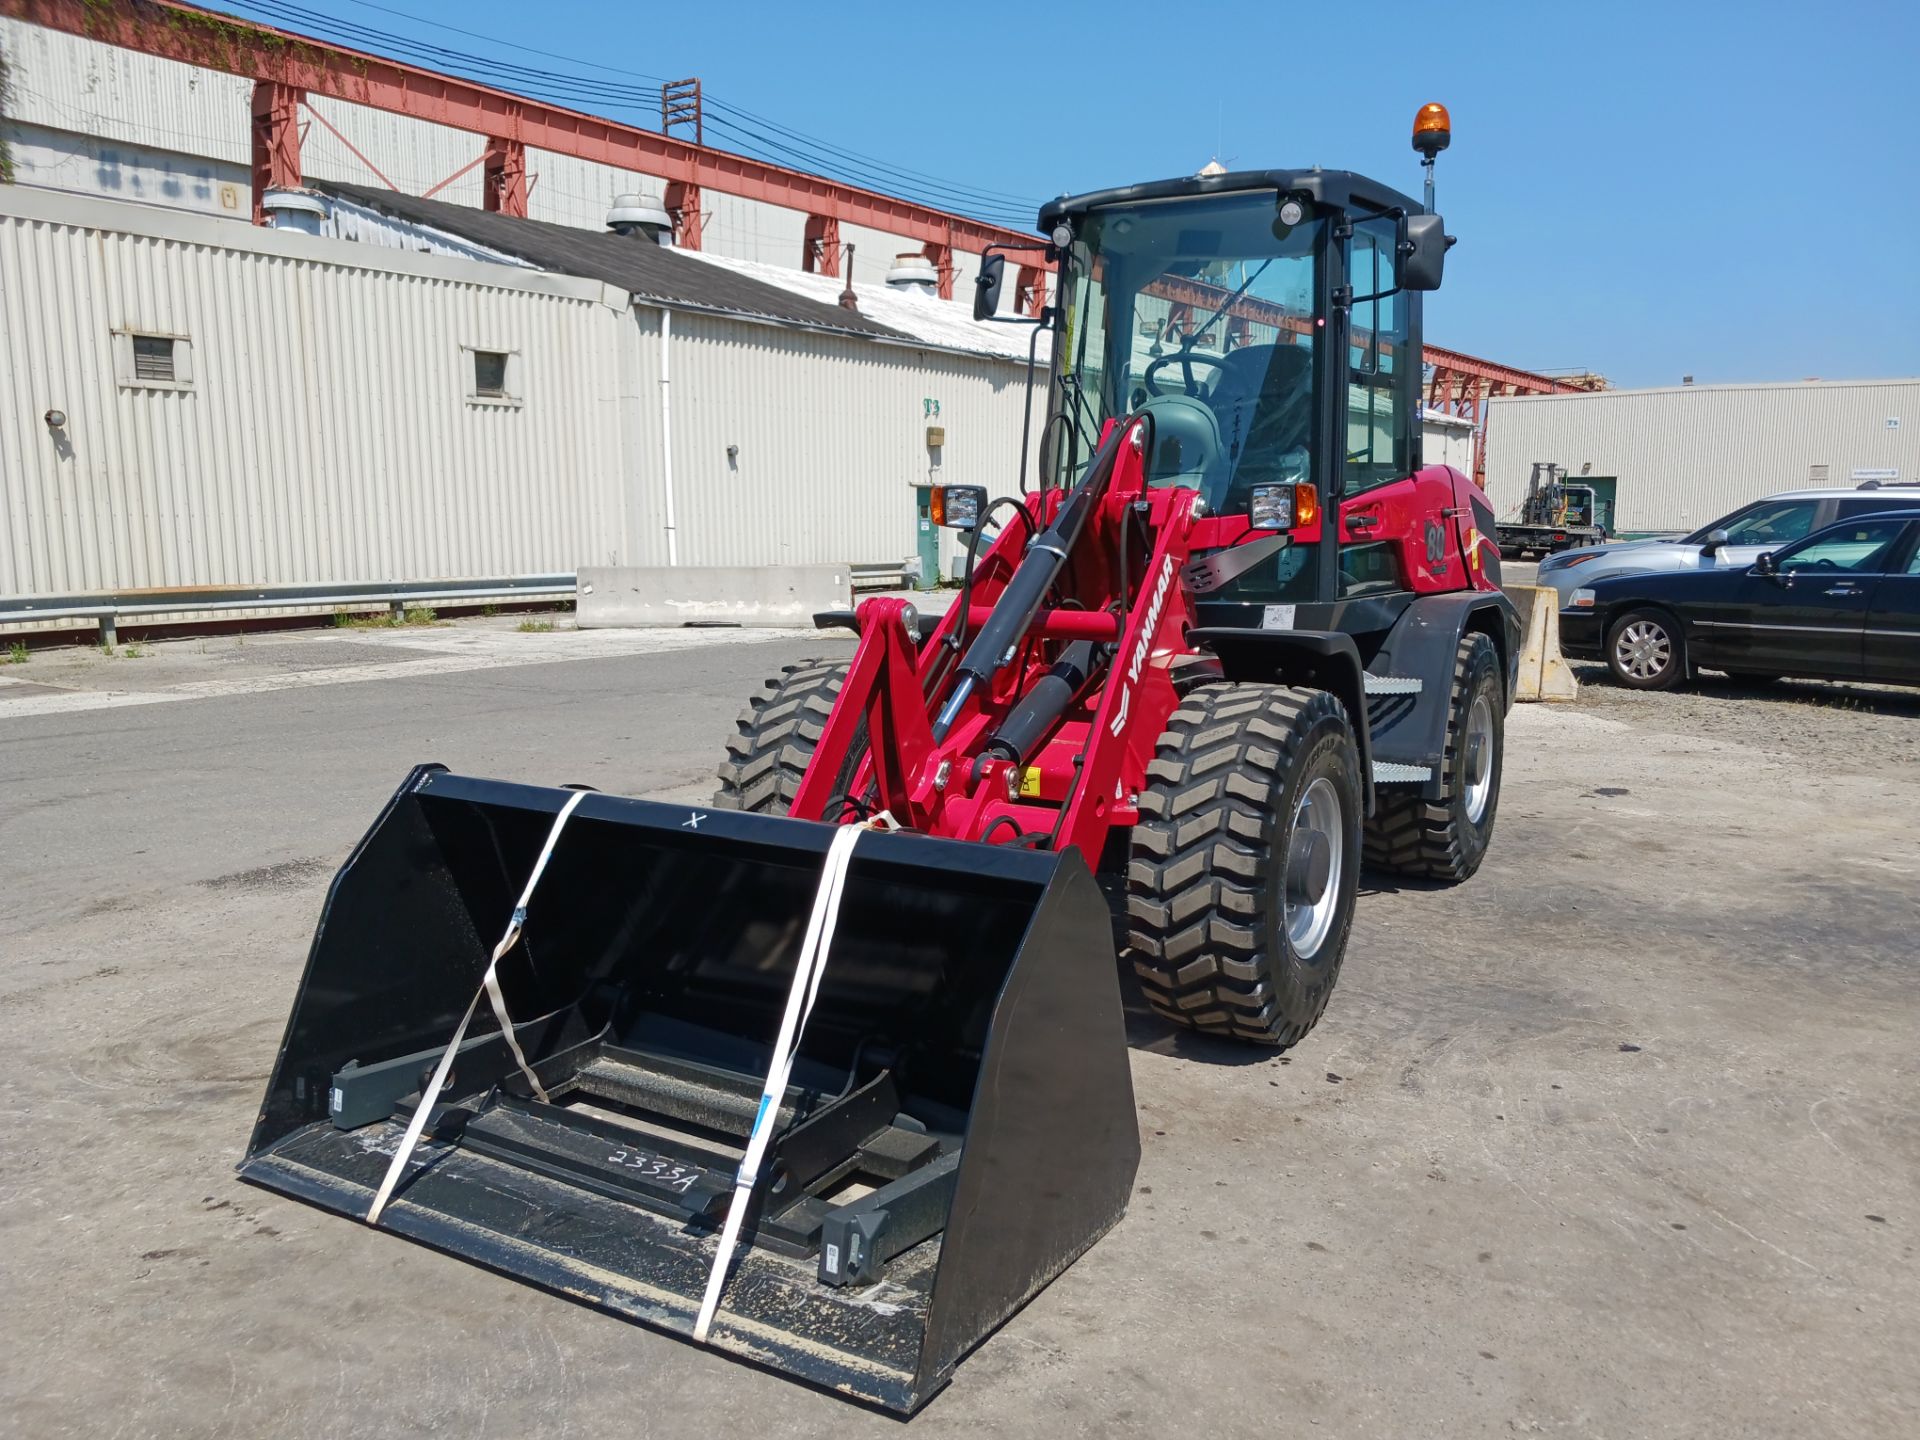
x: 999, y: 639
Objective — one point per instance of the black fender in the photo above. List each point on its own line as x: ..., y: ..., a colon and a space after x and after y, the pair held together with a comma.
x: 1412, y: 730
x: 1324, y: 659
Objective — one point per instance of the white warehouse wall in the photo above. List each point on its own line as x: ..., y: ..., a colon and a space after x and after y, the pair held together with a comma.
x: 326, y: 433
x: 831, y: 439
x: 1686, y: 455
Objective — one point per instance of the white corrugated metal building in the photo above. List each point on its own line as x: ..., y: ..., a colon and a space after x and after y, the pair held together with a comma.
x: 1683, y: 455
x: 246, y: 406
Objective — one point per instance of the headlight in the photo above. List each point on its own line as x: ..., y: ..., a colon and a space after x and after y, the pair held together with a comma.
x: 1271, y: 507
x: 1581, y: 600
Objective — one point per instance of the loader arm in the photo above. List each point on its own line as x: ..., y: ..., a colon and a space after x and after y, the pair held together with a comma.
x: 1031, y: 717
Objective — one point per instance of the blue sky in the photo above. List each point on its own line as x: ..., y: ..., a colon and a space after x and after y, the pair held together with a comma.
x: 1727, y: 190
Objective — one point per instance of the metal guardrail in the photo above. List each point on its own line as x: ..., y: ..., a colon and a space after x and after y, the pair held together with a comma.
x: 106, y: 608
x: 878, y: 577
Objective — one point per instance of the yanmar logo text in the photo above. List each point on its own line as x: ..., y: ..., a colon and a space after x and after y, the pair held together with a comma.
x: 1143, y: 647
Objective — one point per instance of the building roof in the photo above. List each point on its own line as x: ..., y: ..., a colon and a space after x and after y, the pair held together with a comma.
x: 1775, y: 385
x: 946, y: 324
x: 641, y: 268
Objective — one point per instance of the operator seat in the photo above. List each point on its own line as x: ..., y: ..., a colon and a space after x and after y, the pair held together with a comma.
x: 1265, y: 404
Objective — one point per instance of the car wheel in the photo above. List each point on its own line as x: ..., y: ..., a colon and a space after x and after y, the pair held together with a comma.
x: 1646, y: 651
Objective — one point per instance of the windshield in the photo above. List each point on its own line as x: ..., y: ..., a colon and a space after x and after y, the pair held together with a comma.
x: 1766, y: 522
x: 1201, y: 313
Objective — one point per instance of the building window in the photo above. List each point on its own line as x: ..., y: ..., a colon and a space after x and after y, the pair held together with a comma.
x: 493, y: 377
x: 150, y: 360
x: 490, y: 374
x: 1817, y: 474
x: 152, y: 357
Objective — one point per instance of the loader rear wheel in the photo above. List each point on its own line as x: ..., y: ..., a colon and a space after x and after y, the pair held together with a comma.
x: 1446, y: 839
x: 1246, y: 860
x: 776, y: 734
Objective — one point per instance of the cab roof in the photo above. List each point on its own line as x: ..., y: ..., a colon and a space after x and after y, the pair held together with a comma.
x: 1340, y: 189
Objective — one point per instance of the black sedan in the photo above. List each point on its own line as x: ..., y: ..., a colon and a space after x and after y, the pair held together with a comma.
x: 1842, y: 604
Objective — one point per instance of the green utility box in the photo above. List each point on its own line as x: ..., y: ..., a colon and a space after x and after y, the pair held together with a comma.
x: 927, y: 534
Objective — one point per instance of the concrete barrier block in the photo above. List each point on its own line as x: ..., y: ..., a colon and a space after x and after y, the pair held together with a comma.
x: 771, y: 596
x: 1544, y: 673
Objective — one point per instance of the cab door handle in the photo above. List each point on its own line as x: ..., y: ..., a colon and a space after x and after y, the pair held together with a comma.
x: 1844, y: 590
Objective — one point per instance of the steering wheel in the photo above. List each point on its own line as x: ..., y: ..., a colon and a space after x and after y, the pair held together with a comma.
x: 1186, y: 360
x: 1823, y: 563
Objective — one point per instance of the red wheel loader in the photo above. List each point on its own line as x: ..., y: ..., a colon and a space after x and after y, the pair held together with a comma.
x: 831, y: 1075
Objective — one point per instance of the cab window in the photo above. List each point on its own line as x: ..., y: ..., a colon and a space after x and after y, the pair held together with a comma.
x: 1380, y: 372
x: 1856, y: 549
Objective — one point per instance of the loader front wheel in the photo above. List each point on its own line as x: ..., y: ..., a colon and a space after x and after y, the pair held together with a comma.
x: 775, y: 736
x: 1446, y: 839
x: 1246, y: 860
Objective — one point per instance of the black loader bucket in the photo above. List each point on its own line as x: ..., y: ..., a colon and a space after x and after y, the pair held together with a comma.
x: 957, y: 1127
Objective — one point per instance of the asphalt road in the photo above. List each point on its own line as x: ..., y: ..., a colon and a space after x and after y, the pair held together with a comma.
x: 1618, y: 1139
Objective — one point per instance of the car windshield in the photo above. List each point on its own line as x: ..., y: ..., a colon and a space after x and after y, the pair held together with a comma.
x: 1202, y: 313
x: 1765, y: 522
x: 1858, y: 548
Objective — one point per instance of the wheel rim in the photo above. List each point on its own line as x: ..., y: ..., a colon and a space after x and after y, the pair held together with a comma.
x: 1479, y: 757
x: 1643, y: 649
x: 1317, y: 822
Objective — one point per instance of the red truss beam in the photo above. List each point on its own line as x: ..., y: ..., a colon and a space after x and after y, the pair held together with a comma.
x: 820, y: 250
x: 220, y: 42
x: 1514, y: 382
x: 276, y: 142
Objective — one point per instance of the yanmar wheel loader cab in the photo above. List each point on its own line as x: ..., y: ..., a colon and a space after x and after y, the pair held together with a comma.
x: 830, y: 1074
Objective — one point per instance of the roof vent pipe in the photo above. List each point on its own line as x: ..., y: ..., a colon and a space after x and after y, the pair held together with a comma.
x: 636, y: 214
x: 914, y: 273
x: 299, y: 210
x: 848, y: 300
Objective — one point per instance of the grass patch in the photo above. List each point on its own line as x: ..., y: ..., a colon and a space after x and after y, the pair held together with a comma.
x: 134, y: 650
x: 535, y: 627
x: 385, y: 620
x: 17, y: 653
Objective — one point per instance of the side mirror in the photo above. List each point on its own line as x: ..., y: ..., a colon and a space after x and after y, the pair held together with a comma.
x: 1423, y: 251
x: 1715, y: 539
x: 1762, y: 563
x: 986, y: 286
x: 958, y: 507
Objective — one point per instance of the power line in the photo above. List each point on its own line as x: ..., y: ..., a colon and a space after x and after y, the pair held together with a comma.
x: 530, y: 76
x: 937, y: 198
x: 504, y: 44
x: 1021, y: 200
x: 740, y: 126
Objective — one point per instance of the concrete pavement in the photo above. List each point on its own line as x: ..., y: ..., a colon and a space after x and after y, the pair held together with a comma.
x: 1618, y: 1139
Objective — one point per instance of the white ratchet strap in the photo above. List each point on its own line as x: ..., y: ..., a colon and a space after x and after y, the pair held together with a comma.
x: 807, y: 971
x: 489, y: 987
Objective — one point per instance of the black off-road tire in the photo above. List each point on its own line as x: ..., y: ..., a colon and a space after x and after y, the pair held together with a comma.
x: 1206, y: 878
x: 1440, y: 839
x: 776, y: 734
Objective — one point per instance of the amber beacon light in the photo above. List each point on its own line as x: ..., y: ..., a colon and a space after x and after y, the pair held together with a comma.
x: 1432, y: 129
